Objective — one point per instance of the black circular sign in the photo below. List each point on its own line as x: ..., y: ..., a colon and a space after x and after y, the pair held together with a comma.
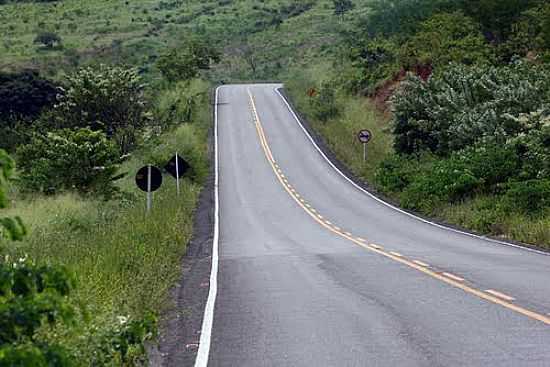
x: 183, y: 166
x: 364, y: 136
x: 142, y: 175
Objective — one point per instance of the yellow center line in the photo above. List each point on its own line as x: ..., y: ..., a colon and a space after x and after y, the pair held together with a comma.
x: 445, y: 277
x: 454, y: 277
x: 396, y: 254
x: 500, y: 295
x: 421, y: 263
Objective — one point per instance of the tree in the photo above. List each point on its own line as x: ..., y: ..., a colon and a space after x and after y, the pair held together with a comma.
x: 106, y: 98
x: 48, y: 39
x: 446, y: 38
x: 24, y: 95
x: 185, y: 63
x: 342, y: 6
x: 81, y: 160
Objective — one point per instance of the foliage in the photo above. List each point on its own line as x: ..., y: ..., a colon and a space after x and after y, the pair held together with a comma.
x: 463, y: 105
x: 24, y: 95
x: 32, y: 297
x: 104, y: 98
x: 323, y: 101
x: 186, y: 62
x: 529, y: 197
x: 446, y: 38
x: 48, y: 39
x: 11, y: 228
x: 82, y: 160
x: 341, y: 7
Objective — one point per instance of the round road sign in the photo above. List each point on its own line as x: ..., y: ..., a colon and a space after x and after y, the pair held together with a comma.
x: 364, y: 136
x: 142, y: 178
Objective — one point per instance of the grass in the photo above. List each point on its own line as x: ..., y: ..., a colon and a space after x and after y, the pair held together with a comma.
x: 124, y: 261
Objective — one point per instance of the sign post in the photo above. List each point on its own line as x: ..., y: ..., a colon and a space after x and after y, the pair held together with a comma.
x: 177, y: 175
x: 149, y: 179
x: 177, y: 167
x: 364, y: 137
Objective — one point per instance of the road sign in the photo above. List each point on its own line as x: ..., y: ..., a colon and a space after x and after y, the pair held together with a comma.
x: 177, y: 166
x: 143, y: 175
x: 364, y: 136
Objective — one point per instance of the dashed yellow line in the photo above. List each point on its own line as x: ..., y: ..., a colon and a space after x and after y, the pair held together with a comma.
x: 418, y: 262
x: 500, y: 295
x: 447, y: 278
x: 454, y: 277
x: 396, y: 254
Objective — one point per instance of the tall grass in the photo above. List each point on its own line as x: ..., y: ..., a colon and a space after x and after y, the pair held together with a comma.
x: 124, y: 260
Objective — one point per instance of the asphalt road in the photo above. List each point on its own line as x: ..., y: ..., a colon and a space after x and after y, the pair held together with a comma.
x: 315, y: 272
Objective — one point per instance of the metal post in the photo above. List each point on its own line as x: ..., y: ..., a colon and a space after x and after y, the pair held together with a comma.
x: 177, y: 174
x: 365, y: 152
x: 149, y: 193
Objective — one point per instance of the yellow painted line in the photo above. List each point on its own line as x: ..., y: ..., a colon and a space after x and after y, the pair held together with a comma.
x: 348, y: 234
x: 418, y: 262
x: 454, y: 277
x: 328, y: 222
x: 313, y: 210
x: 500, y: 295
x: 308, y: 206
x: 338, y: 229
x: 360, y: 239
x: 445, y: 277
x: 302, y: 200
x: 320, y: 216
x: 297, y: 195
x: 396, y: 254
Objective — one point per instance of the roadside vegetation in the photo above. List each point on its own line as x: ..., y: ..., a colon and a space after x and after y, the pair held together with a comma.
x: 462, y: 128
x: 455, y: 92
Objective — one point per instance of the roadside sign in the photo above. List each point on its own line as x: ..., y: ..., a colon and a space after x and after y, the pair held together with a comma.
x: 143, y: 175
x: 177, y: 166
x: 364, y: 136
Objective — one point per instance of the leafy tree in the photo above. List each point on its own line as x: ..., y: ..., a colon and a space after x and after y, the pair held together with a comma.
x: 497, y: 16
x: 24, y: 95
x: 48, y: 39
x: 82, y: 160
x: 446, y: 38
x: 186, y: 62
x: 105, y: 98
x: 342, y: 6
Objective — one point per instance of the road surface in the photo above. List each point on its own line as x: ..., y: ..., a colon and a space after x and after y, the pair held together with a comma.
x: 312, y: 271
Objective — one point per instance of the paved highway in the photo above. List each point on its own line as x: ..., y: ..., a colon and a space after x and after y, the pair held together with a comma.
x: 309, y: 270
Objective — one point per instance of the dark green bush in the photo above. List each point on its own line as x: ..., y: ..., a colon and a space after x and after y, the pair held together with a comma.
x: 397, y: 172
x: 529, y: 197
x: 81, y: 160
x: 323, y: 102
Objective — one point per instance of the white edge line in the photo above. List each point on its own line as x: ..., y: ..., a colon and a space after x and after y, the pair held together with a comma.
x: 390, y: 205
x: 208, y: 318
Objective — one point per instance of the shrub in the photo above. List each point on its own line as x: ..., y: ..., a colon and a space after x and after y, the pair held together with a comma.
x: 529, y: 197
x: 323, y: 102
x: 462, y: 105
x: 48, y: 39
x: 446, y: 38
x: 105, y: 98
x: 81, y: 160
x: 397, y: 172
x: 185, y: 63
x: 447, y: 181
x: 11, y: 228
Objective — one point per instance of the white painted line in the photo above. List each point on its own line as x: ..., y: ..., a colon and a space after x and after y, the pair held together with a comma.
x: 361, y: 239
x: 390, y: 205
x: 396, y: 254
x: 208, y: 318
x: 418, y: 262
x: 328, y: 222
x: 376, y: 246
x: 337, y: 228
x: 320, y: 216
x: 454, y: 277
x: 500, y: 295
x: 348, y: 234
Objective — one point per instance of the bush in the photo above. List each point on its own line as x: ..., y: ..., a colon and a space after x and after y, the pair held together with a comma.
x: 185, y: 63
x: 463, y: 105
x: 105, y: 98
x: 529, y: 197
x: 446, y: 38
x: 81, y: 160
x: 48, y: 39
x: 11, y: 228
x: 323, y: 102
x: 397, y: 172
